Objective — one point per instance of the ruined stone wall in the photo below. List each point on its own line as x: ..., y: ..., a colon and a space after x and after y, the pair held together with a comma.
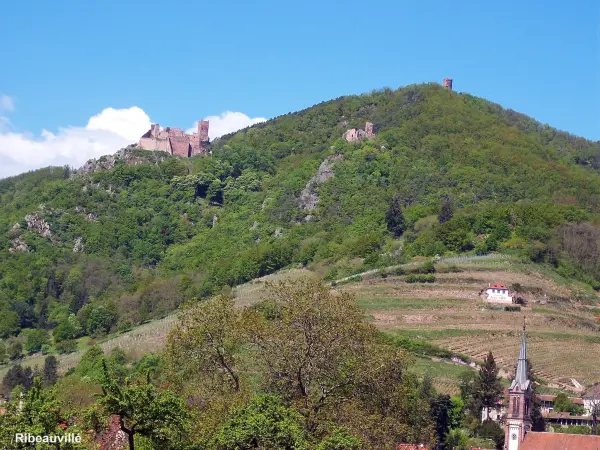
x: 448, y: 83
x: 155, y: 144
x: 180, y: 145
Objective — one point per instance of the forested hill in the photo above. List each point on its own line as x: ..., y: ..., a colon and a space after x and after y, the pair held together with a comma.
x: 446, y: 173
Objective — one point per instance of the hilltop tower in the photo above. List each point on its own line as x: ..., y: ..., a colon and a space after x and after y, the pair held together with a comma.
x: 518, y: 415
x: 203, y: 130
x: 448, y: 83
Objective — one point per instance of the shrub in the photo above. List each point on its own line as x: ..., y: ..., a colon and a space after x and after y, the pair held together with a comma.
x: 399, y: 271
x: 512, y: 308
x: 420, y: 278
x: 68, y: 346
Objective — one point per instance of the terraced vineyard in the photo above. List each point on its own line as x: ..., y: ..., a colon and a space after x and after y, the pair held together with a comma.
x: 563, y: 336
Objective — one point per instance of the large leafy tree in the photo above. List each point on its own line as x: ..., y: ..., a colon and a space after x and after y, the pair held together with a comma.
x: 206, y: 344
x: 320, y: 356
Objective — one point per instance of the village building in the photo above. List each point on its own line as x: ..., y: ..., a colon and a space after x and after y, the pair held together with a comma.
x: 498, y: 293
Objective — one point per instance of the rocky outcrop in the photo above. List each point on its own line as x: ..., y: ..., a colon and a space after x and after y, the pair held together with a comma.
x: 129, y: 156
x: 78, y: 245
x: 38, y: 225
x: 88, y: 215
x: 309, y: 198
x: 18, y: 245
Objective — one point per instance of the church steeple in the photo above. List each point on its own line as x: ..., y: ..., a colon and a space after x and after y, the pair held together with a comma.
x: 521, y: 373
x: 518, y: 419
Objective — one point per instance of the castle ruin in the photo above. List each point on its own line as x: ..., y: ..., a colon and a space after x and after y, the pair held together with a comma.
x: 357, y: 135
x: 448, y: 83
x: 175, y: 141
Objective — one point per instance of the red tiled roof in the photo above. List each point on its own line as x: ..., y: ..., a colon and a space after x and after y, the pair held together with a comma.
x: 560, y: 441
x: 498, y: 286
x: 412, y: 447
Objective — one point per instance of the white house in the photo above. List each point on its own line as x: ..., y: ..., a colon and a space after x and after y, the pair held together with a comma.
x: 498, y: 293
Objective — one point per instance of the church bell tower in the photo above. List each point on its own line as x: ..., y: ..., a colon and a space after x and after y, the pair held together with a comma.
x: 518, y: 414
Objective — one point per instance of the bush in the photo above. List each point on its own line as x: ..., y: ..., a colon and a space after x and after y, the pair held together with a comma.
x: 512, y: 308
x: 420, y: 278
x: 398, y: 271
x: 68, y: 346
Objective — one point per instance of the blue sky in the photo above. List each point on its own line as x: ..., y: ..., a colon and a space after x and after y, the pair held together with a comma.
x: 65, y: 62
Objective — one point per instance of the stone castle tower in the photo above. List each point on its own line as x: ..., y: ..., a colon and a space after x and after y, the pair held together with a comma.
x: 518, y: 415
x: 448, y: 83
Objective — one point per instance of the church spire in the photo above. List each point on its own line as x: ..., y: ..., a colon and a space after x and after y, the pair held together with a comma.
x: 521, y: 375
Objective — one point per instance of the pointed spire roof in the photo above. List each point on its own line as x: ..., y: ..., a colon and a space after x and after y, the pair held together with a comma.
x: 521, y: 379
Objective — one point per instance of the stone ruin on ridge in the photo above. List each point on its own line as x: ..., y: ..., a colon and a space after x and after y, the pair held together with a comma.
x: 175, y: 141
x: 357, y: 134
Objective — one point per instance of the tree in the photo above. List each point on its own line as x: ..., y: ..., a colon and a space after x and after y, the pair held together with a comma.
x: 142, y: 409
x: 447, y: 210
x: 15, y: 351
x: 457, y: 412
x: 537, y: 419
x: 265, y: 422
x: 207, y: 342
x: 395, y: 218
x: 457, y: 439
x: 67, y: 329
x: 310, y: 351
x: 562, y: 403
x: 3, y: 354
x: 488, y: 386
x: 37, y: 413
x: 319, y: 355
x: 468, y: 393
x: 439, y: 411
x: 50, y: 366
x: 35, y: 339
x: 9, y: 323
x: 340, y: 440
x: 17, y: 376
x: 491, y: 430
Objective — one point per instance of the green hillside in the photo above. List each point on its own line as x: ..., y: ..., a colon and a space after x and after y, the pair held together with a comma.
x: 104, y: 251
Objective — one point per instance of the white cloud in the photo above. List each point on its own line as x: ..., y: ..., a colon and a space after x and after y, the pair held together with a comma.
x: 228, y: 122
x: 104, y: 134
x: 6, y: 103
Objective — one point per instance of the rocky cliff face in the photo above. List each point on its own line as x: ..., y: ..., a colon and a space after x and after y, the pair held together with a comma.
x: 309, y: 196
